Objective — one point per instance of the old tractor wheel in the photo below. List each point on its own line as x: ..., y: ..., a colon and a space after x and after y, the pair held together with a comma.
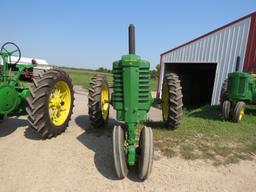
x: 172, y: 100
x: 98, y: 101
x: 226, y: 109
x: 223, y: 93
x: 119, y: 154
x: 11, y: 98
x: 239, y: 111
x: 146, y: 153
x: 50, y: 104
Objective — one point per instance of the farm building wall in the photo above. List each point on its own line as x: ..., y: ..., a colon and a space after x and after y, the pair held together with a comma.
x: 250, y: 56
x: 224, y: 46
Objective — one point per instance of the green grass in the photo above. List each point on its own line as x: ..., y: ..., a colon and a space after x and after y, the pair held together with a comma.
x: 203, y: 134
x: 83, y: 77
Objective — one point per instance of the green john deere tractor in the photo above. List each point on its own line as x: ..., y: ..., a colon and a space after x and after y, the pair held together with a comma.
x: 48, y: 102
x: 131, y: 98
x: 237, y: 91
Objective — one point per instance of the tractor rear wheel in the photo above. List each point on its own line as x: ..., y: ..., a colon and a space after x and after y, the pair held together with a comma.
x: 146, y: 153
x: 224, y: 91
x: 119, y: 154
x: 239, y: 111
x: 50, y: 104
x: 98, y: 101
x: 172, y: 100
x: 226, y: 109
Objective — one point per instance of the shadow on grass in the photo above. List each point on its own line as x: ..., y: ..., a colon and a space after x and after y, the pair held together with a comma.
x: 207, y: 112
x: 250, y: 111
x: 156, y: 125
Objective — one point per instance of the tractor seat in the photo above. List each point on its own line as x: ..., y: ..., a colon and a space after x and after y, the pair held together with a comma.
x: 34, y: 62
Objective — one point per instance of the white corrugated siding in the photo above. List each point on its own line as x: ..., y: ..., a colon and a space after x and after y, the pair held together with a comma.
x: 221, y: 47
x: 29, y: 60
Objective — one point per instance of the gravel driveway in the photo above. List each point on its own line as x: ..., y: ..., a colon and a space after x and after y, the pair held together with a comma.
x: 81, y: 160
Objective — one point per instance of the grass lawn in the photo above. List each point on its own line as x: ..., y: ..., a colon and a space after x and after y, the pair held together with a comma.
x: 83, y: 77
x: 205, y: 135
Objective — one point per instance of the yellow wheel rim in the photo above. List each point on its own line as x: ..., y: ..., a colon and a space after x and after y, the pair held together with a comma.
x: 104, y: 101
x: 241, y: 114
x: 59, y: 103
x: 165, y: 101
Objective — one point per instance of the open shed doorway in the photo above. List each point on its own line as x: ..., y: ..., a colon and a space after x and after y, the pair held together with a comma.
x: 197, y: 80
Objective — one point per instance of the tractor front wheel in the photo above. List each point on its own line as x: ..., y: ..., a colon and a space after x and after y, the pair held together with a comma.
x: 172, y: 100
x: 98, y: 101
x: 239, y: 111
x: 226, y: 109
x: 119, y: 153
x: 50, y: 104
x: 146, y: 152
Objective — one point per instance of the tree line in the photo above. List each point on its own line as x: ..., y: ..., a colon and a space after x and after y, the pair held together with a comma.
x: 153, y: 73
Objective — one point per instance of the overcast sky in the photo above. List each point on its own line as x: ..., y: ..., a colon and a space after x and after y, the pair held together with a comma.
x: 92, y: 34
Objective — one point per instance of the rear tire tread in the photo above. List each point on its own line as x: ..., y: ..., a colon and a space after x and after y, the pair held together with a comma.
x: 94, y: 101
x: 38, y: 115
x: 175, y: 100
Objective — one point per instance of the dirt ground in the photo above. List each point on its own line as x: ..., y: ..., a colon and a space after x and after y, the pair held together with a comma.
x: 81, y: 160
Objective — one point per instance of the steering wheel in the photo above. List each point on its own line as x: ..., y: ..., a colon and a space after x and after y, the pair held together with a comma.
x: 13, y: 52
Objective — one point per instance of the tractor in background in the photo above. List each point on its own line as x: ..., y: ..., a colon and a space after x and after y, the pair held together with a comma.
x: 132, y: 99
x: 48, y: 102
x: 238, y: 90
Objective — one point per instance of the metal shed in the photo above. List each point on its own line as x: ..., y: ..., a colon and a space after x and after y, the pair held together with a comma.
x: 204, y: 63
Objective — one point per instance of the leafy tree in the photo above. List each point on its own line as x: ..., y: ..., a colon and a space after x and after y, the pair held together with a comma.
x: 155, y: 72
x: 103, y: 70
